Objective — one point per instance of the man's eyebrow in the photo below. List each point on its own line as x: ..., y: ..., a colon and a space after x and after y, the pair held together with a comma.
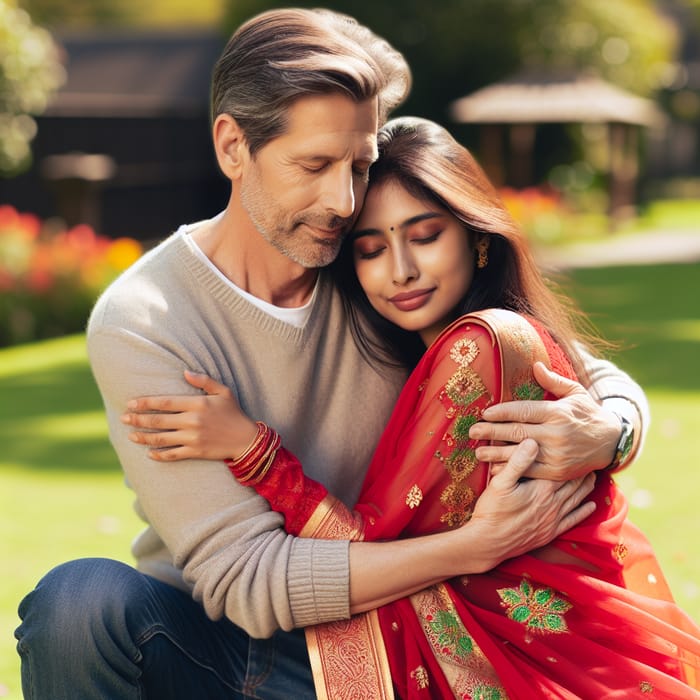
x: 404, y: 224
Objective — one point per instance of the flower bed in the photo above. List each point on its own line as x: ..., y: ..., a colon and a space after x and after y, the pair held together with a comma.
x: 50, y: 276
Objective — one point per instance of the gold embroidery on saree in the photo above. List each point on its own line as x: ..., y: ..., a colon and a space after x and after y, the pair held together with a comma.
x: 464, y: 352
x: 349, y: 659
x: 457, y: 499
x: 620, y: 552
x: 414, y: 497
x: 420, y: 676
x: 332, y: 521
x: 461, y: 390
x: 464, y: 387
x: 466, y: 668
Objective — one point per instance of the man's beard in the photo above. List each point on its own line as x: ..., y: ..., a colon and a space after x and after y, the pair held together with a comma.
x: 290, y: 239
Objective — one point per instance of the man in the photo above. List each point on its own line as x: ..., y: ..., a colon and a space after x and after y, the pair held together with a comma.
x: 217, y: 606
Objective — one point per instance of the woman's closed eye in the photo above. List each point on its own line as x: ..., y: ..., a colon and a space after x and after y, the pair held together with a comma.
x: 425, y: 240
x: 369, y: 253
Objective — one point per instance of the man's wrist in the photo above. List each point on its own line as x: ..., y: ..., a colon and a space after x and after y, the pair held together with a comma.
x: 625, y: 443
x: 627, y: 410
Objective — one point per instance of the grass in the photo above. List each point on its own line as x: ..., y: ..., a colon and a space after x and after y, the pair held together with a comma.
x: 62, y: 494
x: 653, y: 313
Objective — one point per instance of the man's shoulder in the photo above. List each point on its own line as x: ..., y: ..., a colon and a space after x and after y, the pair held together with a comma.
x: 143, y: 287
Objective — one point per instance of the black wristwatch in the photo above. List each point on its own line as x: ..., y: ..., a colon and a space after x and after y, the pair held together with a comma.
x: 624, y: 444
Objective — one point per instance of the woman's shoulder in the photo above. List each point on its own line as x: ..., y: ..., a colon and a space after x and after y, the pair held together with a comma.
x: 500, y: 324
x: 517, y: 340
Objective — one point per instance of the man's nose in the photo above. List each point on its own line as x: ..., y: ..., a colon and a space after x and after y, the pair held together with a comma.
x: 339, y: 195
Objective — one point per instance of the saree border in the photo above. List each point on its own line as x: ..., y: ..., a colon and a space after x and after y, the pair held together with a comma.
x: 337, y: 681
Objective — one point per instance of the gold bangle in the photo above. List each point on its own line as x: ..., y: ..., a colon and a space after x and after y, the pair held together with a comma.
x: 262, y: 464
x: 259, y: 437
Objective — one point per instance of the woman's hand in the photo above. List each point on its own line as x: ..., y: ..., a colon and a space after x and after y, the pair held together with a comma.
x: 516, y: 516
x: 191, y: 427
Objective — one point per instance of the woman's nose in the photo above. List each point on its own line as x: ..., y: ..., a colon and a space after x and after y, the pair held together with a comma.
x: 405, y: 269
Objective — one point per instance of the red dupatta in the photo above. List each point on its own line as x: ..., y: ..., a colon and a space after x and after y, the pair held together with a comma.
x: 588, y: 616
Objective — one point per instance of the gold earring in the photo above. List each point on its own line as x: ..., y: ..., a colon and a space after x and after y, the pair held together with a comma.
x: 483, y: 257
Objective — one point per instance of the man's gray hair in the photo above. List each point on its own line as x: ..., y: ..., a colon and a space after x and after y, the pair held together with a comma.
x: 282, y: 55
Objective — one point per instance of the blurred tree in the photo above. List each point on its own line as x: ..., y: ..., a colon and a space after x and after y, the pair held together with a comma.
x: 90, y: 13
x: 455, y: 47
x: 30, y: 71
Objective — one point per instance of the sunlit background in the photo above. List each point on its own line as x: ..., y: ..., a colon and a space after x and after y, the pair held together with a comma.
x: 586, y: 114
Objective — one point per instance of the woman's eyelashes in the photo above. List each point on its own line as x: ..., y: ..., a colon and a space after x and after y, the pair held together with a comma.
x: 367, y: 250
x: 425, y: 240
x: 367, y: 253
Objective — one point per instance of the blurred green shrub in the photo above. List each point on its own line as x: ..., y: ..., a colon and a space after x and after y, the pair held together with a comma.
x: 50, y: 276
x: 30, y: 71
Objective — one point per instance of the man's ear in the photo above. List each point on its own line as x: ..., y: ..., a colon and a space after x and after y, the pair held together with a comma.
x: 230, y: 145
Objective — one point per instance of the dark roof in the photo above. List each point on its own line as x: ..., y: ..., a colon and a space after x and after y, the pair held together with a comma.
x: 136, y: 74
x: 572, y: 99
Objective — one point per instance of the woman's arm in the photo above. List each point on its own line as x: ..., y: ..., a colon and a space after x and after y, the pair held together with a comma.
x: 213, y: 426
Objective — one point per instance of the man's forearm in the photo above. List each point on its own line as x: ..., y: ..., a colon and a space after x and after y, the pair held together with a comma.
x: 619, y: 393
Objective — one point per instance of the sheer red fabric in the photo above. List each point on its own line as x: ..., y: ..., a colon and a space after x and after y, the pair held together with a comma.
x: 589, y: 616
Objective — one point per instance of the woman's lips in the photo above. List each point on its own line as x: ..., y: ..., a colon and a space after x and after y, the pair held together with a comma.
x: 410, y: 301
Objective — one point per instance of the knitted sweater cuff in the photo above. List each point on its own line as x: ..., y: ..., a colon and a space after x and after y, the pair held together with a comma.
x: 318, y: 578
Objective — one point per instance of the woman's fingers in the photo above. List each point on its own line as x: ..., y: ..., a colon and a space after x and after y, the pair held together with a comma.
x: 169, y: 404
x: 169, y: 438
x: 154, y: 421
x: 205, y: 383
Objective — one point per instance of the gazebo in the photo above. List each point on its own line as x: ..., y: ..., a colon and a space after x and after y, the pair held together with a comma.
x: 519, y: 104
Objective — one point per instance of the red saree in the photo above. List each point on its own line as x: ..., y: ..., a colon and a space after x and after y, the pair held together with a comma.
x: 588, y: 616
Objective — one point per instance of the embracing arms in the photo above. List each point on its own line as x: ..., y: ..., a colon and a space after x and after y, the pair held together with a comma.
x: 578, y: 433
x: 509, y: 518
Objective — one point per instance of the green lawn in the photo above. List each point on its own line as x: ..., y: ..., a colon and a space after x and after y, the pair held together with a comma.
x: 654, y: 314
x: 62, y: 494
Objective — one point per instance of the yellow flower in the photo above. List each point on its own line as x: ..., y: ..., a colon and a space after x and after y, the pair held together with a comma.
x: 123, y: 252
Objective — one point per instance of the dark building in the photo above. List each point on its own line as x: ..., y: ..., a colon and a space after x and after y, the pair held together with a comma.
x: 125, y: 144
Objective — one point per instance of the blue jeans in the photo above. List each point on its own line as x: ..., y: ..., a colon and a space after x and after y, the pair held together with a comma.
x: 97, y: 628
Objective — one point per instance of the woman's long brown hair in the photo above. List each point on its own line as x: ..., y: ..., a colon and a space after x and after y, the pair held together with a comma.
x: 426, y: 160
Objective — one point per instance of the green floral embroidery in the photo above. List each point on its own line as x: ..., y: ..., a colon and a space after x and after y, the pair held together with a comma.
x: 530, y: 391
x: 450, y: 634
x: 488, y: 692
x: 462, y: 426
x: 539, y: 609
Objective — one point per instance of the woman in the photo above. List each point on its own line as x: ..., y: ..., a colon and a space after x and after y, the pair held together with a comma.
x: 436, y: 262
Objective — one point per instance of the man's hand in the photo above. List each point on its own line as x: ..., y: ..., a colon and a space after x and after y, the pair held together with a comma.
x: 574, y: 433
x: 516, y: 516
x: 510, y: 517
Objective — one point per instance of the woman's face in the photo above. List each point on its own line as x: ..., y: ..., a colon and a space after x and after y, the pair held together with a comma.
x: 413, y: 258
